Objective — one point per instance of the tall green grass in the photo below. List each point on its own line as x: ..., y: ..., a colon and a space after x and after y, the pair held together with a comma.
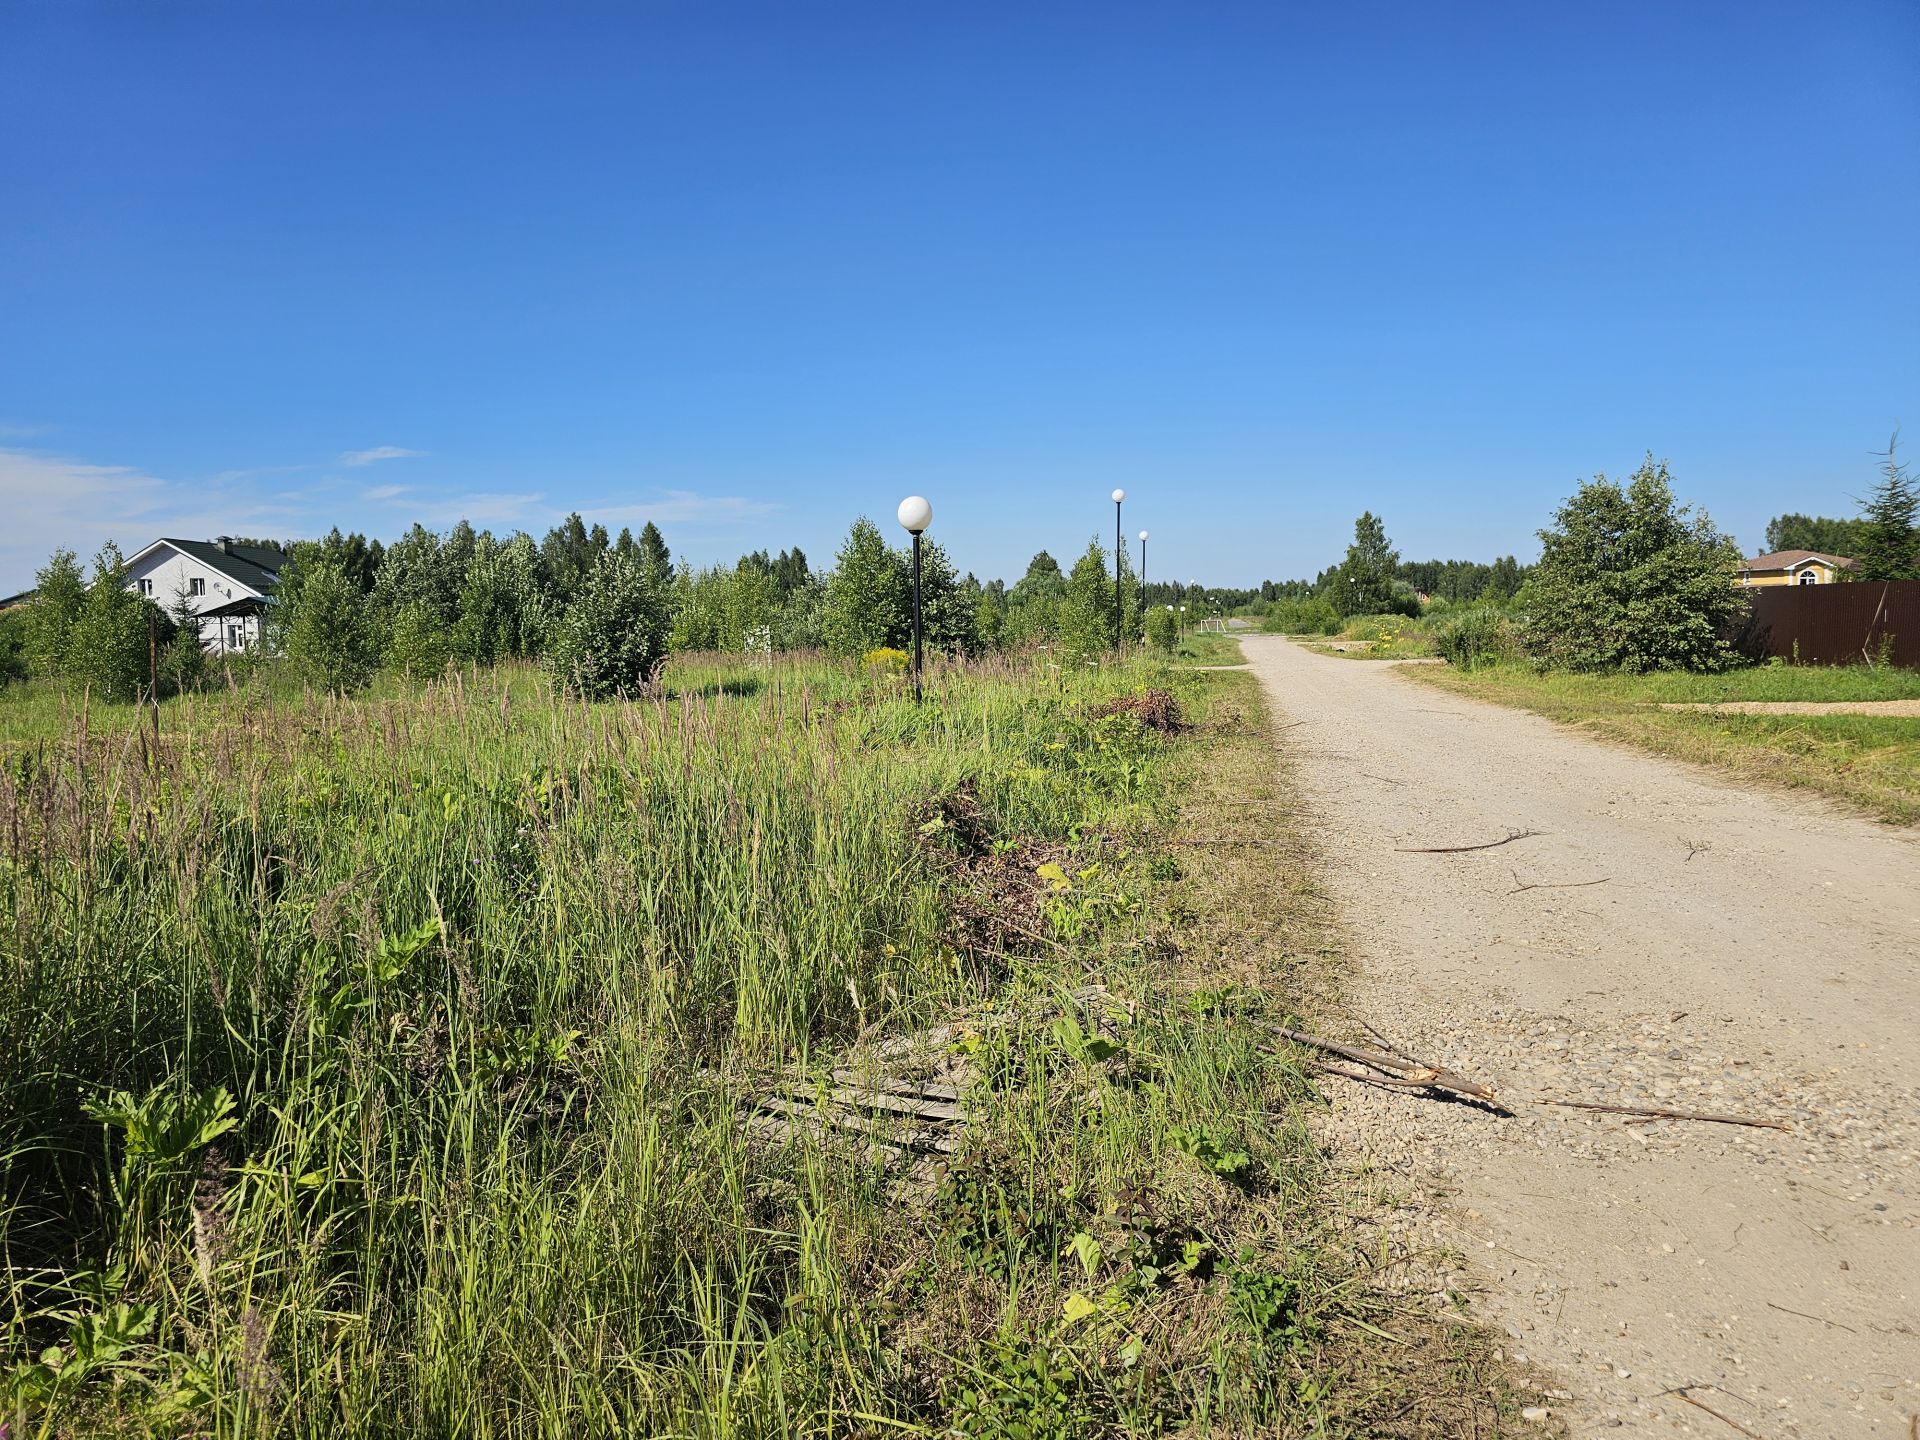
x: 373, y: 1068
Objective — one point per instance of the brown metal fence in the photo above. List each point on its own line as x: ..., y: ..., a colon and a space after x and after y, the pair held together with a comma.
x: 1835, y: 624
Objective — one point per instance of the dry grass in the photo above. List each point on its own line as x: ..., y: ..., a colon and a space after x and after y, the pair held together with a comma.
x: 1869, y: 762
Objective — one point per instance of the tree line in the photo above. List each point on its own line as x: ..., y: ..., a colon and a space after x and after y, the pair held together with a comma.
x: 600, y: 612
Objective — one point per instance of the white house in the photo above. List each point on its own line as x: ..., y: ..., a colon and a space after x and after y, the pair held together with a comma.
x: 225, y: 584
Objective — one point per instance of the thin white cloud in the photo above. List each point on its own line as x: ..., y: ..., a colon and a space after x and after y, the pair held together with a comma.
x: 483, y: 507
x: 54, y: 501
x: 684, y: 507
x: 385, y: 492
x: 377, y: 454
x: 14, y: 430
x: 257, y: 472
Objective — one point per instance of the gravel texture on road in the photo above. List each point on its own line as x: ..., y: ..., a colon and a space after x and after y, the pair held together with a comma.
x: 1658, y: 938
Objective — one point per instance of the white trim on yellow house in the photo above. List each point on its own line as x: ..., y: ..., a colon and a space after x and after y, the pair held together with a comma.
x: 1793, y: 567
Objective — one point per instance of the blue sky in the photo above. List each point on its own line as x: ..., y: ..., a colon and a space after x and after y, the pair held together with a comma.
x: 751, y: 270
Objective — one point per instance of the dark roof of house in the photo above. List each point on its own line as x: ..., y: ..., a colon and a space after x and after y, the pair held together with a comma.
x: 254, y: 566
x: 1787, y: 559
x: 245, y: 605
x: 7, y: 602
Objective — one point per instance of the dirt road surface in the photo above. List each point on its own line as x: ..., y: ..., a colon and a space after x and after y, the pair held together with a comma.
x: 1737, y: 951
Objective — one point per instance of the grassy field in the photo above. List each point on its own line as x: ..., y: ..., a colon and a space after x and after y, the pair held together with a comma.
x: 1871, y: 762
x: 469, y: 1062
x: 1207, y: 647
x: 1377, y: 637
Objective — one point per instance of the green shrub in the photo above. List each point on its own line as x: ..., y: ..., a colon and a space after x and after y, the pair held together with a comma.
x: 417, y: 644
x: 1630, y: 580
x: 326, y: 626
x: 13, y: 644
x: 1473, y: 637
x: 1162, y: 630
x: 613, y: 635
x: 183, y: 664
x: 866, y: 604
x: 108, y: 642
x: 59, y: 594
x: 1085, y: 617
x: 1315, y: 616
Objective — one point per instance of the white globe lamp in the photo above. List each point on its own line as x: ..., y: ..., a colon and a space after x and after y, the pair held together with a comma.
x: 915, y: 514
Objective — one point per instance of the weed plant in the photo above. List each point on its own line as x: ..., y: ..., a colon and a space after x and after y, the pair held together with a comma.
x: 374, y: 1069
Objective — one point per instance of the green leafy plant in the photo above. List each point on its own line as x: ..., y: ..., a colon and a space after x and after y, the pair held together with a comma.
x: 1026, y: 1390
x: 1088, y: 1047
x: 1268, y: 1304
x: 163, y: 1134
x: 165, y: 1128
x: 1217, y: 1150
x: 990, y: 1214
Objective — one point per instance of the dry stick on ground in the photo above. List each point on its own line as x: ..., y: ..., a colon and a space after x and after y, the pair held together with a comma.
x: 1385, y: 1044
x: 1659, y: 1114
x: 1400, y: 1068
x: 1520, y: 885
x: 1818, y: 1319
x: 1402, y: 1072
x: 1694, y: 847
x: 1327, y: 1067
x: 1512, y: 835
x: 1681, y: 1391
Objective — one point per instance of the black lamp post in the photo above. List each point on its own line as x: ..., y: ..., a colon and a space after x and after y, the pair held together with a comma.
x: 1119, y: 605
x: 915, y: 515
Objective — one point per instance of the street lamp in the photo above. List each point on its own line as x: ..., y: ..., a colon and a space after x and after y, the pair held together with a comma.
x: 1143, y: 577
x: 1119, y: 608
x: 915, y: 515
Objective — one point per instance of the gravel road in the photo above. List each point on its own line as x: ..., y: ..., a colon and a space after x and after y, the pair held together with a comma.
x: 1742, y: 952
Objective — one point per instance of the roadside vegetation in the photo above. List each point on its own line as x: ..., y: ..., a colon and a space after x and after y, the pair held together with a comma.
x: 1634, y: 606
x: 1871, y: 762
x: 471, y: 1059
x: 1202, y: 647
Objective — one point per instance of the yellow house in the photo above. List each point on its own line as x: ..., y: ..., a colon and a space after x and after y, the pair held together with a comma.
x: 1793, y: 567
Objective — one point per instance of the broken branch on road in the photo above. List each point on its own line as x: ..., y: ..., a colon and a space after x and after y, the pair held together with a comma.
x: 1520, y: 885
x: 1681, y: 1392
x: 1511, y: 836
x: 1402, y: 1072
x: 1396, y: 1069
x: 1655, y: 1113
x: 1818, y: 1319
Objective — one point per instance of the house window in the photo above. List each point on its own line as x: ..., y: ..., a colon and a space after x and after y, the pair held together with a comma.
x: 234, y: 641
x: 146, y: 588
x: 1809, y: 577
x: 196, y: 586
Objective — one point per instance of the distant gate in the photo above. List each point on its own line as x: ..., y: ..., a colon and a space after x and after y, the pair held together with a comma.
x: 1865, y: 620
